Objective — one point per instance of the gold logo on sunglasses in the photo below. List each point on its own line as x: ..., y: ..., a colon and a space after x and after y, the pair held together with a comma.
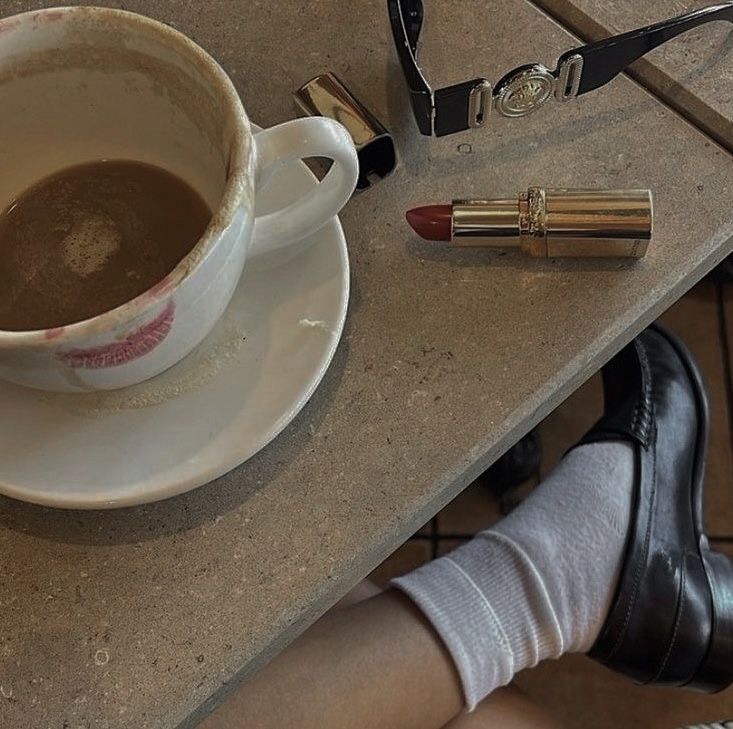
x: 525, y: 92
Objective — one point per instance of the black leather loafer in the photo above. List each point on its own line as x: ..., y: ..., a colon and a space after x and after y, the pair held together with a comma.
x: 671, y: 621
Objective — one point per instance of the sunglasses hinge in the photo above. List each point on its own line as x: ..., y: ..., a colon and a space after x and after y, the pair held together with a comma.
x: 479, y: 104
x: 568, y: 78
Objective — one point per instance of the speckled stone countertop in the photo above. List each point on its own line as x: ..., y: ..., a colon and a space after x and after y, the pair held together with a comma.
x: 146, y: 617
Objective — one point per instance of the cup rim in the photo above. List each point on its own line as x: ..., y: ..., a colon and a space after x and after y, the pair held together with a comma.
x: 234, y: 186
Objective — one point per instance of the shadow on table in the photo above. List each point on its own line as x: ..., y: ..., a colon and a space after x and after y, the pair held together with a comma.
x: 512, y: 258
x: 201, y: 506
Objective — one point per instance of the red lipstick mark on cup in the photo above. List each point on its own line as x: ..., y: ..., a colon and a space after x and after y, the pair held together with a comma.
x: 54, y: 333
x: 9, y: 24
x: 52, y: 15
x: 161, y: 287
x: 133, y: 346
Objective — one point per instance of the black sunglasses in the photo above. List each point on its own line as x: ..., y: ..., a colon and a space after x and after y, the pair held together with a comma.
x: 525, y: 89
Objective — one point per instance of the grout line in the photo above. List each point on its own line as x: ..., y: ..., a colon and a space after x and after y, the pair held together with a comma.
x: 437, y: 538
x: 721, y: 540
x: 598, y: 32
x: 434, y: 537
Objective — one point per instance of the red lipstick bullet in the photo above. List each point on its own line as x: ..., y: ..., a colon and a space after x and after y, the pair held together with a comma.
x: 432, y: 222
x: 545, y: 223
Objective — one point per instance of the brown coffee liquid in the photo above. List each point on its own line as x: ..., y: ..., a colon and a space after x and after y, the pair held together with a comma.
x: 91, y: 237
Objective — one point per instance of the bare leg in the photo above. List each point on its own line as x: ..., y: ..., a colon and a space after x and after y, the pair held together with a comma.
x: 363, y: 591
x: 506, y: 708
x: 376, y: 663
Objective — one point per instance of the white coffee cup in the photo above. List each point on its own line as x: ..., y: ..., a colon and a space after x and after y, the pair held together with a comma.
x: 84, y: 84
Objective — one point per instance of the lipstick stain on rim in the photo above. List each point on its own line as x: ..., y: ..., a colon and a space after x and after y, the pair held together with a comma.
x: 54, y: 333
x: 137, y: 344
x: 161, y: 287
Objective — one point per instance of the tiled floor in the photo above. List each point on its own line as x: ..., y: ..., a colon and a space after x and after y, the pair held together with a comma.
x: 577, y: 691
x: 580, y: 693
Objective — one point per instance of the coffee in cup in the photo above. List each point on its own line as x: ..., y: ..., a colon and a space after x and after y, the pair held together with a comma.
x: 89, y: 238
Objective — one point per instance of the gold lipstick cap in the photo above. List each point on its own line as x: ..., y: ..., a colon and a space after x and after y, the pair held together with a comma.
x: 326, y: 95
x: 555, y: 223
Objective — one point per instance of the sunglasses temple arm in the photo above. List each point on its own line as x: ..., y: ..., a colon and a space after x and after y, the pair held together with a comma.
x: 606, y: 59
x: 413, y: 26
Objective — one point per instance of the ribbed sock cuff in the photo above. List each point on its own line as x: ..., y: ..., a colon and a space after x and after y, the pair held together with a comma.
x: 489, y: 605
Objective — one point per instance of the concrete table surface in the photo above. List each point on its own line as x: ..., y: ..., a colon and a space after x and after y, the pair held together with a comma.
x: 693, y: 73
x: 147, y: 617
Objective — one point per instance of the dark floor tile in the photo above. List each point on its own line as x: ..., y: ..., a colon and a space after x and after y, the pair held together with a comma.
x: 407, y: 557
x: 426, y: 530
x: 584, y: 695
x: 446, y: 546
x: 471, y: 511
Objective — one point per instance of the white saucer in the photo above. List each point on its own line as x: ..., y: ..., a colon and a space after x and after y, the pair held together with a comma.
x: 208, y: 414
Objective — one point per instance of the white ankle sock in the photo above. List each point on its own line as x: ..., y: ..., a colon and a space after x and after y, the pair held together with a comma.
x: 539, y: 583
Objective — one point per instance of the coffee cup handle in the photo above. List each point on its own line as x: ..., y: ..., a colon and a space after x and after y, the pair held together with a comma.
x: 297, y: 140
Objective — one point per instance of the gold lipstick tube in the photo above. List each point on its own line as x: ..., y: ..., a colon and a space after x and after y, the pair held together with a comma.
x: 548, y: 223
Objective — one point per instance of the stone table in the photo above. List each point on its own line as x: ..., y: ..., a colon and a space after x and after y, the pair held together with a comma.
x: 147, y: 617
x: 693, y: 73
